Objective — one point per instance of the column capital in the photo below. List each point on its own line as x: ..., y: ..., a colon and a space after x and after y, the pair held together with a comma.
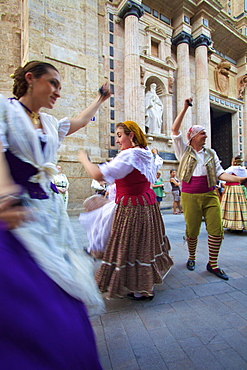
x: 131, y: 8
x: 181, y: 38
x: 201, y: 40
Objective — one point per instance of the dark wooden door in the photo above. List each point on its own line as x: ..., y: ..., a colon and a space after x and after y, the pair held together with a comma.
x: 221, y: 136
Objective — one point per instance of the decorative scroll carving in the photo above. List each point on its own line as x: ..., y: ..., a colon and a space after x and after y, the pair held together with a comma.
x: 142, y: 73
x: 170, y: 85
x: 242, y: 83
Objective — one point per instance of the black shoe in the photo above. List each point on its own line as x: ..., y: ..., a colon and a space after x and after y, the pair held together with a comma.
x: 218, y: 272
x: 142, y: 298
x: 190, y: 265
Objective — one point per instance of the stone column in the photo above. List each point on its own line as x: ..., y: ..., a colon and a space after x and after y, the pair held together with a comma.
x: 183, y: 41
x: 202, y: 103
x: 134, y: 105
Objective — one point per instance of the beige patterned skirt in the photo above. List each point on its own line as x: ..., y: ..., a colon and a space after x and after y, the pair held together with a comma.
x: 234, y: 208
x: 137, y: 254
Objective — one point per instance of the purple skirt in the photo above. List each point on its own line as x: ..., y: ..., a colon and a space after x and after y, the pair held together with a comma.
x: 41, y: 326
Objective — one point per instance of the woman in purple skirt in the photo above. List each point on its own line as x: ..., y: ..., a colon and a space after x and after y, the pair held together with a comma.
x: 45, y: 278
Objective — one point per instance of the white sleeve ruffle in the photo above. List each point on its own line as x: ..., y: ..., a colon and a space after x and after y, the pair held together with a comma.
x: 158, y: 161
x: 3, y: 124
x: 126, y: 161
x: 179, y: 145
x: 63, y: 128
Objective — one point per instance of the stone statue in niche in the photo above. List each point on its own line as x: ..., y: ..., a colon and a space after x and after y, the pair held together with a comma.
x: 170, y: 85
x: 242, y: 83
x: 221, y: 77
x: 153, y: 111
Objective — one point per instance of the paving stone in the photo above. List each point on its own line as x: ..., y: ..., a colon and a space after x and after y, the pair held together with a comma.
x: 236, y: 340
x: 217, y: 343
x: 184, y: 364
x: 105, y: 362
x: 202, y: 358
x: 235, y: 320
x: 230, y: 359
x: 123, y: 358
x: 214, y: 288
x: 238, y: 284
x: 172, y: 352
x: 196, y: 321
x: 148, y: 358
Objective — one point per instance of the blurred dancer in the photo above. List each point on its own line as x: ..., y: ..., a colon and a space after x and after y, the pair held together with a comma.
x: 46, y: 325
x: 136, y: 255
x: 234, y: 203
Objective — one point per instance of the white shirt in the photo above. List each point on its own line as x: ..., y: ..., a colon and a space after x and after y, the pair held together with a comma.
x: 200, y: 169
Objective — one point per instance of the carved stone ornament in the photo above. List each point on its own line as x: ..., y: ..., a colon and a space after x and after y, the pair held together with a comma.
x: 142, y: 73
x: 170, y: 85
x: 221, y: 77
x: 242, y: 83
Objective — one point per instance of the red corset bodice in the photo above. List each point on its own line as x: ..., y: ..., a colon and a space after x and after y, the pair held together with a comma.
x: 134, y: 186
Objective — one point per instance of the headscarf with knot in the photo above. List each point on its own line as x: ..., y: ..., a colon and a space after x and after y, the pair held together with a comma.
x: 193, y: 131
x: 139, y: 134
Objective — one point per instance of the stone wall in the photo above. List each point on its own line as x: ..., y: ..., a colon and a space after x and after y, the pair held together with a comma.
x: 76, y: 37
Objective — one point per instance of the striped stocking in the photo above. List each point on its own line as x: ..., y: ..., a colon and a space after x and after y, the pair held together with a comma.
x: 192, y: 244
x: 214, y: 243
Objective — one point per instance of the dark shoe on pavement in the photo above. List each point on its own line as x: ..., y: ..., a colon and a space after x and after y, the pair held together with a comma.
x: 218, y: 272
x: 190, y: 265
x: 142, y: 298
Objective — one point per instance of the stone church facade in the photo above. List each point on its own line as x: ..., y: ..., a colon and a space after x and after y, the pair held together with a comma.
x: 187, y: 48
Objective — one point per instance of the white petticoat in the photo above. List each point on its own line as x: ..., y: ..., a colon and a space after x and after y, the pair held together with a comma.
x: 98, y: 224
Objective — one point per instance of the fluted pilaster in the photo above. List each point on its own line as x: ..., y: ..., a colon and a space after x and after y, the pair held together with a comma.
x: 183, y: 41
x: 133, y: 94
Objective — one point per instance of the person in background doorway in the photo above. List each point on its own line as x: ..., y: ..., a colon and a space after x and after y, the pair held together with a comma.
x: 158, y: 187
x: 62, y: 184
x: 175, y: 184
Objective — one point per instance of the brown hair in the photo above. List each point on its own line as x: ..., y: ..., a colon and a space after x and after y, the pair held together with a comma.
x: 127, y: 131
x: 37, y: 68
x: 237, y: 161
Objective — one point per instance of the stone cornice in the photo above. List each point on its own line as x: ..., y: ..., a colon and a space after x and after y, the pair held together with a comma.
x: 181, y: 38
x: 168, y: 64
x: 131, y: 8
x: 201, y: 40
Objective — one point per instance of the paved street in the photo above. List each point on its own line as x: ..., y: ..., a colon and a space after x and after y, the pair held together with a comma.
x: 195, y: 321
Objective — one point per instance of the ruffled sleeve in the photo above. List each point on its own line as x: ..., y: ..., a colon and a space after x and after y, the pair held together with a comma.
x: 179, y: 145
x: 3, y: 122
x: 63, y: 128
x: 126, y: 161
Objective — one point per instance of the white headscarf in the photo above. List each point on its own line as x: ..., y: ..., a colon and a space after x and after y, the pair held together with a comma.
x: 193, y: 131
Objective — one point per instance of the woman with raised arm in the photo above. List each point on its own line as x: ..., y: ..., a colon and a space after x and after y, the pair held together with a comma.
x: 136, y: 255
x: 41, y: 261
